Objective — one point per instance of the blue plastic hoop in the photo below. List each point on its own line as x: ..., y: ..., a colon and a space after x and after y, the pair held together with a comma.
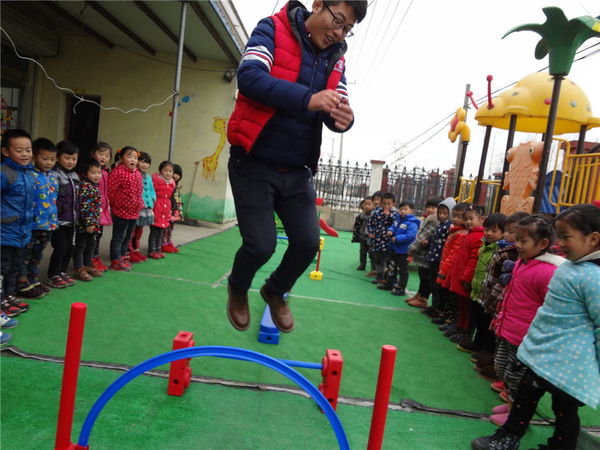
x: 220, y: 352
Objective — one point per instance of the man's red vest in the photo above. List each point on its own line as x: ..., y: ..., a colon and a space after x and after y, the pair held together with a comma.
x: 250, y: 117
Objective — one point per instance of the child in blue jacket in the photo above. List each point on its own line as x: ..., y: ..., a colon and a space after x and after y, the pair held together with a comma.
x: 402, y: 234
x: 17, y: 214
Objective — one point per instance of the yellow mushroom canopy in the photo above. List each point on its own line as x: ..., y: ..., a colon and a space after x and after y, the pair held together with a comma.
x: 530, y: 99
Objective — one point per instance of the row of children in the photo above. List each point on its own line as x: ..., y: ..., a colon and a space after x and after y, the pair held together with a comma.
x: 56, y: 200
x: 489, y: 278
x: 393, y: 236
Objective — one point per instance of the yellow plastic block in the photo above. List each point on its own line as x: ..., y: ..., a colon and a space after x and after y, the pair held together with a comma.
x: 316, y: 275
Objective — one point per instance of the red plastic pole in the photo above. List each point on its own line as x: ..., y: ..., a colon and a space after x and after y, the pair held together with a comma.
x: 70, y: 375
x: 318, y: 260
x: 382, y: 396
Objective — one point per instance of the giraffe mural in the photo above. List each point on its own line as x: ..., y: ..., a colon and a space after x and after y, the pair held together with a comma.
x: 210, y: 163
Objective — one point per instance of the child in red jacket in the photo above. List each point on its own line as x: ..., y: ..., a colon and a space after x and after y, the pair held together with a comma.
x: 163, y: 186
x: 463, y: 270
x: 124, y: 193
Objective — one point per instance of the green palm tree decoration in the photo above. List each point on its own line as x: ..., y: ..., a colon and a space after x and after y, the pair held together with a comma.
x: 560, y: 40
x: 561, y: 37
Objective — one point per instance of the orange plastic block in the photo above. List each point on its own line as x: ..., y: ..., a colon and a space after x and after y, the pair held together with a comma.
x: 180, y: 373
x: 332, y: 375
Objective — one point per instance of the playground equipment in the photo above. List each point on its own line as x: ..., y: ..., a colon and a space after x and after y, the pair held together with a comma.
x: 315, y: 274
x: 535, y: 103
x: 268, y: 333
x: 332, y: 365
x: 180, y: 373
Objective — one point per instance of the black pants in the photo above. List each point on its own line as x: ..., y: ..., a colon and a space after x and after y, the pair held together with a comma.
x: 380, y: 260
x: 485, y: 339
x: 401, y: 267
x: 424, y: 288
x: 85, y: 244
x: 259, y: 191
x: 364, y: 250
x: 11, y: 263
x: 119, y: 243
x: 63, y: 245
x: 155, y: 239
x: 530, y: 390
x: 434, y: 287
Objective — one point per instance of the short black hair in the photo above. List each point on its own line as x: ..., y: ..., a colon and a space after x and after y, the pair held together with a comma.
x: 164, y: 164
x: 359, y: 7
x: 43, y: 144
x: 67, y: 148
x: 13, y: 134
x: 88, y: 164
x: 389, y: 195
x: 411, y: 205
x: 539, y: 226
x: 378, y: 194
x: 434, y: 201
x: 370, y: 197
x: 515, y: 218
x: 497, y: 220
x: 145, y: 157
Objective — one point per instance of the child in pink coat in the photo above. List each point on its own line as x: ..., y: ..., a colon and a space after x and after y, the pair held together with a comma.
x: 163, y: 186
x: 102, y: 153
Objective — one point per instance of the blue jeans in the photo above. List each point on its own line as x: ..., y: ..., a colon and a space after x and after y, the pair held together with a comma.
x: 259, y: 191
x: 122, y: 230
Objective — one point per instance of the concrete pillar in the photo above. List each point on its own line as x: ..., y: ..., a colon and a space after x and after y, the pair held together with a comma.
x: 376, y: 176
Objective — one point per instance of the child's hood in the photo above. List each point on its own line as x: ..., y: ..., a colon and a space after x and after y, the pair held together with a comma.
x: 449, y: 203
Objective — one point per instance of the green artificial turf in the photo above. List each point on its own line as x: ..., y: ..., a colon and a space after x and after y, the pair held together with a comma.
x: 134, y: 316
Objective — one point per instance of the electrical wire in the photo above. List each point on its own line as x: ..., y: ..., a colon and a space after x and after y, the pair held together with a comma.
x: 81, y: 99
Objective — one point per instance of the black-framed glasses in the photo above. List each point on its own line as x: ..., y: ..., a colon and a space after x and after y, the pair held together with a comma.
x: 337, y: 22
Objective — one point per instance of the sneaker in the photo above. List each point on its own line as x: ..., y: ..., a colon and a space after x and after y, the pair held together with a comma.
x: 8, y: 309
x: 14, y: 301
x: 31, y: 292
x: 376, y: 281
x: 500, y: 440
x: 116, y: 265
x: 398, y: 291
x: 70, y: 281
x: 42, y: 287
x: 161, y: 254
x: 57, y: 282
x: 153, y: 255
x: 504, y: 408
x: 98, y: 264
x: 94, y: 272
x: 361, y: 267
x: 450, y: 331
x: 82, y: 275
x: 125, y: 263
x: 371, y: 274
x: 385, y: 286
x: 447, y: 326
x: 499, y: 419
x: 134, y: 258
x: 498, y: 386
x: 7, y: 322
x: 438, y: 321
x: 5, y: 338
x: 168, y: 248
x: 467, y: 346
x: 140, y: 256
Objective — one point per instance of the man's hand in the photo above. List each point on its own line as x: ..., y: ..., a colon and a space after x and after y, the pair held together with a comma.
x: 335, y: 105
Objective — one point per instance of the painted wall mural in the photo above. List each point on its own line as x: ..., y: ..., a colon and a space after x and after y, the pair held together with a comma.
x: 210, y: 163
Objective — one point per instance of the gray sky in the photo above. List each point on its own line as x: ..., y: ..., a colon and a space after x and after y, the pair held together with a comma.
x: 410, y: 61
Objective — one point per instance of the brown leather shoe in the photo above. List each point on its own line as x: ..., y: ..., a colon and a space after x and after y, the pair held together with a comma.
x: 280, y: 311
x: 418, y: 303
x: 237, y: 309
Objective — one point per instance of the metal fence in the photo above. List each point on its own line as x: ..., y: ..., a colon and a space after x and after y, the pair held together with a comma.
x: 342, y: 187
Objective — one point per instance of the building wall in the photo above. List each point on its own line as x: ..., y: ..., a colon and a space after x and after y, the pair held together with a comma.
x: 128, y: 80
